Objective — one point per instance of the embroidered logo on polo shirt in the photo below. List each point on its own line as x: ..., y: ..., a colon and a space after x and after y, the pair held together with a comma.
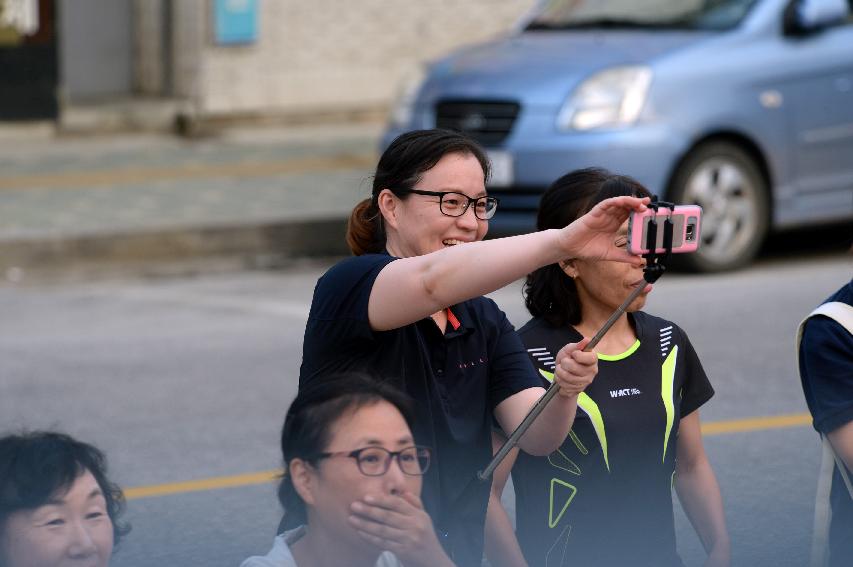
x: 469, y: 364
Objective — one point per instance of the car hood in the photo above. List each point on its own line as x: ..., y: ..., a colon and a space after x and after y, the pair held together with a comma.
x: 542, y: 67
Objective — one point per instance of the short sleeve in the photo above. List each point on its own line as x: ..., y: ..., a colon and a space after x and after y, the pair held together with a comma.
x: 510, y: 367
x: 696, y: 389
x: 338, y: 323
x: 278, y: 556
x: 826, y: 366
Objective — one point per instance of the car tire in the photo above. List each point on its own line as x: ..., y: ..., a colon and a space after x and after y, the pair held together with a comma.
x: 726, y: 182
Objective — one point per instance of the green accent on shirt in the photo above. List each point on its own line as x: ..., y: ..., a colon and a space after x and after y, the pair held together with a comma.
x: 559, y: 460
x: 614, y: 357
x: 552, y: 520
x: 577, y: 441
x: 666, y: 387
x: 591, y: 409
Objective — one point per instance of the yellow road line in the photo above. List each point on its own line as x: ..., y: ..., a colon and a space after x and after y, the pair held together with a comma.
x: 756, y: 424
x: 202, y: 484
x: 710, y: 428
x: 128, y: 176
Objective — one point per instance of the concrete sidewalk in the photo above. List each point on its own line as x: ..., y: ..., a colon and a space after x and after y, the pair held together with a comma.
x: 255, y: 196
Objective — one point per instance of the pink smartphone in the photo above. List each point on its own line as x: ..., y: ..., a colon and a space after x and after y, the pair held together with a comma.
x: 686, y: 221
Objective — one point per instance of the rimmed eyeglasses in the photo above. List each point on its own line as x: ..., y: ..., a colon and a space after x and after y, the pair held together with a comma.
x: 455, y: 204
x: 374, y: 461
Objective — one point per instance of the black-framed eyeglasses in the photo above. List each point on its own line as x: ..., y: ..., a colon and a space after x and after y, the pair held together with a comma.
x: 374, y: 461
x: 455, y: 204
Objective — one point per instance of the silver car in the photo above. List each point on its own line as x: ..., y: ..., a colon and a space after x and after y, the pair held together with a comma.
x: 744, y: 107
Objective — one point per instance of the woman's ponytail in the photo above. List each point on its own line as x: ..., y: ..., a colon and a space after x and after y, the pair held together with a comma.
x: 364, y: 229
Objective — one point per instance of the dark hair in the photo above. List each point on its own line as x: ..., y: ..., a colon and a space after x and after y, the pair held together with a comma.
x: 399, y: 169
x: 308, y: 424
x: 548, y: 292
x: 36, y: 466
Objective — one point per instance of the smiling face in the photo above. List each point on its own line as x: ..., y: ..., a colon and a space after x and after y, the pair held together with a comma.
x: 603, y: 285
x: 331, y: 486
x: 416, y: 226
x: 72, y: 530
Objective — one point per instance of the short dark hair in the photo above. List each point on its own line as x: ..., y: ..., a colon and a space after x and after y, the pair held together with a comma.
x: 308, y: 424
x: 38, y: 465
x: 399, y: 169
x: 548, y: 292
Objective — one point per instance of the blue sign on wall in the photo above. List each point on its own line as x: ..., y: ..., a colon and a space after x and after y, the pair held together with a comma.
x: 235, y: 21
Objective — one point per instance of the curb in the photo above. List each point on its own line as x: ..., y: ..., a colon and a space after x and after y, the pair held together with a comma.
x: 264, y: 245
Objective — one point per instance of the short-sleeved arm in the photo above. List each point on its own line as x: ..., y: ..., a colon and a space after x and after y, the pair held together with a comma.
x: 697, y: 389
x: 338, y: 322
x: 510, y: 367
x: 826, y: 365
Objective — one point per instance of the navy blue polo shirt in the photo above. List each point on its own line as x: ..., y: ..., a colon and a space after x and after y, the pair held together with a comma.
x: 826, y: 371
x: 456, y: 379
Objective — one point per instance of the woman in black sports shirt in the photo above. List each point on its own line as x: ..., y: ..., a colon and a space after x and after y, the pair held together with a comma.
x: 604, y: 498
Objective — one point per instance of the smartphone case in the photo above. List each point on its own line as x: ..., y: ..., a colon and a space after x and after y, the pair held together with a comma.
x: 687, y: 221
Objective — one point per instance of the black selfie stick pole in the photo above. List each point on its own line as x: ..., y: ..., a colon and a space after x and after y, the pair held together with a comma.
x: 655, y: 267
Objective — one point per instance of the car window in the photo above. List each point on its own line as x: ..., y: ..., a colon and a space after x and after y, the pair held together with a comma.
x: 672, y: 14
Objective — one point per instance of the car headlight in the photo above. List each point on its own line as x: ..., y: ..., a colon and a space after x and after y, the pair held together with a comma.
x: 407, y: 93
x: 607, y: 99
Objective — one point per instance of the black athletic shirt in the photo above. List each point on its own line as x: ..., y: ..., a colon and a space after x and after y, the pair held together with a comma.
x: 456, y: 379
x: 605, y: 497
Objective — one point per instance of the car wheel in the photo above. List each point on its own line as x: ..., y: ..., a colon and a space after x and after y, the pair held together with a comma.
x: 725, y: 181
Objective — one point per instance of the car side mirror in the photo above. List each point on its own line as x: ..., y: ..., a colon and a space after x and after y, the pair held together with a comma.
x: 804, y: 17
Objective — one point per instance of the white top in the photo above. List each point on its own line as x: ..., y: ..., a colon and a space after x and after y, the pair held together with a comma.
x: 280, y: 555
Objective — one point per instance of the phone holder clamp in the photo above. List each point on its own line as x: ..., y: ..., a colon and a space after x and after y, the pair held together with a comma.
x: 656, y: 262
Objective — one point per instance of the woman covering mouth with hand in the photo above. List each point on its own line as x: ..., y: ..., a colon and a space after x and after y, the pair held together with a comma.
x: 353, y: 480
x: 408, y: 308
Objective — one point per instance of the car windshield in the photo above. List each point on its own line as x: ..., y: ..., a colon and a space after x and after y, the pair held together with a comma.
x: 640, y: 14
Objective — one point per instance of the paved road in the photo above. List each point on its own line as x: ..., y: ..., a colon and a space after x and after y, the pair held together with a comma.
x: 188, y: 379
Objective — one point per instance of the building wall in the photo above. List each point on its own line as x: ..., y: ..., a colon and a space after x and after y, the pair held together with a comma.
x: 324, y: 55
x: 95, y: 49
x: 149, y: 44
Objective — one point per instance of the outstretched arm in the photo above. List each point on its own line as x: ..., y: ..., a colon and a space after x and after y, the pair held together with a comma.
x: 410, y: 289
x: 699, y: 492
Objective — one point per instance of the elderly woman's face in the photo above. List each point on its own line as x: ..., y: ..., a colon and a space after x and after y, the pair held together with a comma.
x: 72, y: 529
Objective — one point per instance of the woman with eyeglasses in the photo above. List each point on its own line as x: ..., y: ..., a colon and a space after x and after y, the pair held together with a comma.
x: 408, y: 308
x: 352, y: 480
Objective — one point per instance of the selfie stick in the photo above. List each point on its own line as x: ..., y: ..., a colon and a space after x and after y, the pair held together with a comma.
x: 655, y: 267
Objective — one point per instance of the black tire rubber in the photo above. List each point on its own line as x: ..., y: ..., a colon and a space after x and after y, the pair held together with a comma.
x: 753, y: 193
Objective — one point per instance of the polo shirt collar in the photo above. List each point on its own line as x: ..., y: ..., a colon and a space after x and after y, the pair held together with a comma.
x: 459, y: 320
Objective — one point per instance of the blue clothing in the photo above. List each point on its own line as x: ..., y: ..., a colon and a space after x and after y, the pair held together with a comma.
x: 456, y: 379
x: 826, y: 371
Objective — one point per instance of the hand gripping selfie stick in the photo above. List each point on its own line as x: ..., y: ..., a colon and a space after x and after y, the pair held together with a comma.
x: 655, y: 267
